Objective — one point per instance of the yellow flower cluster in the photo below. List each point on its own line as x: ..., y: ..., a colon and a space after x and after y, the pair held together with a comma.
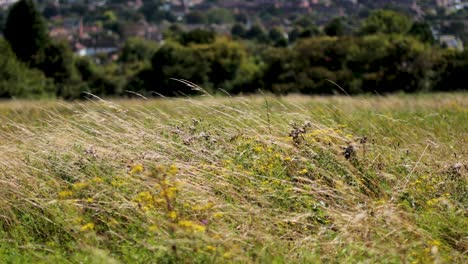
x: 145, y: 199
x: 87, y: 227
x: 80, y: 185
x: 190, y: 225
x: 203, y: 207
x: 138, y: 168
x: 65, y: 194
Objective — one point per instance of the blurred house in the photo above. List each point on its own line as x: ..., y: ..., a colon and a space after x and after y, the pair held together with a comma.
x: 452, y: 5
x: 142, y: 29
x: 97, y: 45
x: 451, y: 42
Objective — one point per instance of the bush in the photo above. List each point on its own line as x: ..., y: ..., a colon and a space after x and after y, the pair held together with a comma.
x: 17, y: 80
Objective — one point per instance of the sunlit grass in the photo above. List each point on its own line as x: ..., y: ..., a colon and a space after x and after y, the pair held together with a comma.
x: 248, y: 179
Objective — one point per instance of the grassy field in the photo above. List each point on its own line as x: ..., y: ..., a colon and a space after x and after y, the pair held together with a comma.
x: 235, y: 180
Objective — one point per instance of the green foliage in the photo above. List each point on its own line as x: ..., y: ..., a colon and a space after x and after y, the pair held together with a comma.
x: 25, y: 30
x: 94, y: 81
x: 152, y: 11
x: 197, y: 36
x: 277, y: 37
x: 58, y: 62
x: 195, y: 18
x: 387, y: 22
x: 387, y: 63
x: 422, y: 31
x: 334, y: 28
x: 222, y: 64
x: 17, y: 80
x: 173, y: 32
x: 2, y: 20
x: 171, y: 61
x: 375, y: 63
x: 228, y: 65
x: 238, y: 30
x: 306, y: 32
x: 137, y: 49
x: 257, y: 33
x: 219, y: 16
x: 454, y: 70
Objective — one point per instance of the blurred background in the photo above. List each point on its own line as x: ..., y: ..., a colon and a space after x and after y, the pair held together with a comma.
x: 114, y: 48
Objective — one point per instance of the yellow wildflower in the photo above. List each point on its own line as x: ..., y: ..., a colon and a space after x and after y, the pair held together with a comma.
x: 87, y: 227
x: 207, y: 206
x: 170, y: 192
x: 432, y: 202
x: 173, y: 170
x: 210, y: 248
x: 65, y: 194
x: 80, y: 185
x: 303, y: 171
x: 218, y: 215
x: 97, y: 180
x: 117, y: 183
x: 137, y: 169
x: 258, y: 149
x: 172, y: 215
x: 192, y: 226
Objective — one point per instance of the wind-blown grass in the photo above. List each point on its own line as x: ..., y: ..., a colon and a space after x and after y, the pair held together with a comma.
x: 249, y: 179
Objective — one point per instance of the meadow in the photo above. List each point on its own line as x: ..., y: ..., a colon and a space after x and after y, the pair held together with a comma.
x: 259, y: 179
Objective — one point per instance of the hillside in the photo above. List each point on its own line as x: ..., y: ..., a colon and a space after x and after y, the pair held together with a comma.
x: 244, y: 180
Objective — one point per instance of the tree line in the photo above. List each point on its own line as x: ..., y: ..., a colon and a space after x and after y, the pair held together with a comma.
x: 388, y: 53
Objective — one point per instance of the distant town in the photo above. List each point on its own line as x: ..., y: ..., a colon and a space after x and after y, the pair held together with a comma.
x: 95, y: 27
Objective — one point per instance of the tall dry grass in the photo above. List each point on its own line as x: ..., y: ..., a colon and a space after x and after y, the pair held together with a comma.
x: 250, y: 179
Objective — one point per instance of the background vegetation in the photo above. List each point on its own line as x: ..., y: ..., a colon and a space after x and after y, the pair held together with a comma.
x: 385, y: 51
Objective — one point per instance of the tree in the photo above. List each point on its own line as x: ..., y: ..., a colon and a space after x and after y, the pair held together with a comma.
x: 195, y: 18
x: 422, y: 31
x: 277, y: 36
x: 199, y: 36
x: 25, y: 30
x: 137, y: 49
x: 58, y: 62
x: 219, y: 16
x: 300, y: 32
x: 387, y: 22
x: 153, y: 12
x: 2, y: 20
x: 95, y: 81
x: 257, y: 32
x: 17, y: 80
x: 171, y: 61
x: 238, y: 30
x: 50, y: 10
x: 334, y: 28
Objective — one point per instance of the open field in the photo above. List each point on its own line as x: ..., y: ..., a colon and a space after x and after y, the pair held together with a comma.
x: 245, y: 180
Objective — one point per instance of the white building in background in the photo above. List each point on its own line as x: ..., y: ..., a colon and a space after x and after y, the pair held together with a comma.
x: 452, y: 5
x: 451, y: 42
